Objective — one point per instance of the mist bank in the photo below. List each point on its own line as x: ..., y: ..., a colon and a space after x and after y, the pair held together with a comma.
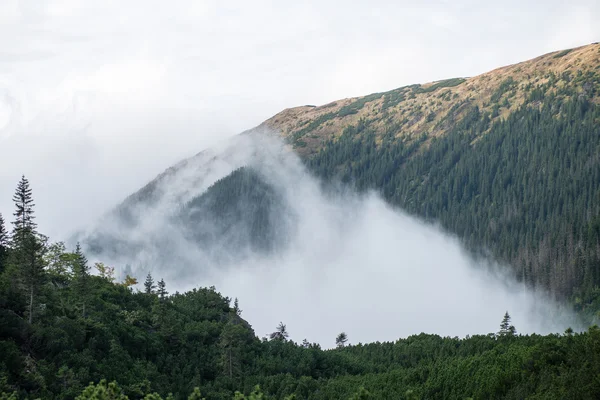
x: 335, y: 260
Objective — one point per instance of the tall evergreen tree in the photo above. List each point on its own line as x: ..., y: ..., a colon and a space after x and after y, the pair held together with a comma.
x: 506, y: 329
x: 28, y: 245
x: 81, y: 271
x: 24, y: 217
x: 149, y: 284
x: 162, y: 289
x: 3, y: 244
x: 236, y: 307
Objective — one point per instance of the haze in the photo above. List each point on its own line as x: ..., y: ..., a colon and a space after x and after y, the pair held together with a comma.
x: 97, y: 98
x: 349, y: 263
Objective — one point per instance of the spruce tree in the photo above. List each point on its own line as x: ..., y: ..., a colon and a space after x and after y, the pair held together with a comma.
x: 24, y: 217
x: 162, y: 289
x: 28, y: 245
x: 149, y: 284
x: 3, y: 245
x: 506, y: 329
x: 236, y: 307
x: 81, y: 271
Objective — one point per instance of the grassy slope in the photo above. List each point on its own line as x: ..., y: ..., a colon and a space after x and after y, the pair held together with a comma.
x: 433, y: 108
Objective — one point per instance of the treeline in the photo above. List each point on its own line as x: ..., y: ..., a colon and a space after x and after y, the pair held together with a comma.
x: 64, y: 324
x: 525, y: 188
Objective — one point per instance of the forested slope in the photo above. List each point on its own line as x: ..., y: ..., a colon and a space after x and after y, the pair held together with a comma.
x: 508, y: 160
x: 63, y: 326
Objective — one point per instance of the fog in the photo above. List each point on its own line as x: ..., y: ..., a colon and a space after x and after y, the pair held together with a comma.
x: 349, y: 261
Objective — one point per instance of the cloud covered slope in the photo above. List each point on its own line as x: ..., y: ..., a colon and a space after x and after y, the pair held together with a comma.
x: 336, y: 260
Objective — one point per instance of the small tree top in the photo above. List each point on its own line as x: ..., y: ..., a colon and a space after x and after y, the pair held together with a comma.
x: 24, y: 207
x: 149, y: 284
x: 341, y: 339
x: 281, y: 332
x: 506, y: 329
x: 3, y: 233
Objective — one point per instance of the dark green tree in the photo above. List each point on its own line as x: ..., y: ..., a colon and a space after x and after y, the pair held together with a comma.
x: 24, y: 217
x: 162, y: 289
x: 231, y: 340
x: 506, y: 329
x: 3, y: 244
x: 149, y: 285
x: 236, y: 307
x: 81, y: 272
x: 28, y: 244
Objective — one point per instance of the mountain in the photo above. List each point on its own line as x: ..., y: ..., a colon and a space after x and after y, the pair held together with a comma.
x: 214, y: 208
x: 509, y: 161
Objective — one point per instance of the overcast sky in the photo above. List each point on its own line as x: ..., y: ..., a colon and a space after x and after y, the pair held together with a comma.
x: 96, y: 98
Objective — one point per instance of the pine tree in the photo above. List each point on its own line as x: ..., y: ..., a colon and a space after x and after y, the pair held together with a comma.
x: 341, y: 339
x: 28, y: 245
x: 236, y: 307
x: 230, y: 341
x: 149, y: 284
x: 3, y: 245
x: 162, y: 291
x: 506, y: 329
x: 24, y: 210
x: 81, y: 271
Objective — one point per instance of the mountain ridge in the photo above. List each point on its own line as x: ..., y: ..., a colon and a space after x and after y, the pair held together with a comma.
x: 429, y: 103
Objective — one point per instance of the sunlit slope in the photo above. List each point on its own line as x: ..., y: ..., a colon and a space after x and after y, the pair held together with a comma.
x: 433, y: 109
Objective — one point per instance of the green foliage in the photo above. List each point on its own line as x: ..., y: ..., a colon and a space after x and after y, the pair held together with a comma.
x: 525, y: 188
x: 504, y: 87
x: 441, y: 84
x: 244, y: 199
x: 362, y: 394
x: 314, y: 124
x: 3, y: 244
x: 102, y: 391
x: 563, y: 53
x: 357, y: 105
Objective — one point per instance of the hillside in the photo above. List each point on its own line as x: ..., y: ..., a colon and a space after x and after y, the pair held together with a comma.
x: 434, y: 108
x: 509, y: 160
x: 65, y: 331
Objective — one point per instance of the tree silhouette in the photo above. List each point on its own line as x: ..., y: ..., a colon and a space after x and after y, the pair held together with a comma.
x: 162, y: 291
x: 341, y: 339
x: 506, y: 329
x: 149, y: 285
x: 281, y: 332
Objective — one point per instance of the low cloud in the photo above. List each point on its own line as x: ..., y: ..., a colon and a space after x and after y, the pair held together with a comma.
x: 349, y: 261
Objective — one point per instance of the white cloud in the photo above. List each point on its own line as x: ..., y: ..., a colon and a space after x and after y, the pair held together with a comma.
x: 350, y: 263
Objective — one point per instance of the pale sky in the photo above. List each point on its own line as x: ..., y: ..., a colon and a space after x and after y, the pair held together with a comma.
x: 96, y: 98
